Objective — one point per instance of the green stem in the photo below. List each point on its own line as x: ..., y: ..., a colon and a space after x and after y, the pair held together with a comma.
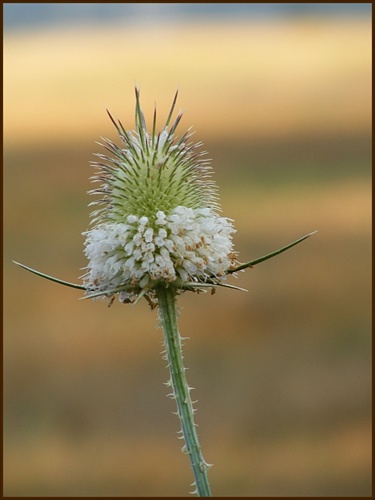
x: 181, y: 390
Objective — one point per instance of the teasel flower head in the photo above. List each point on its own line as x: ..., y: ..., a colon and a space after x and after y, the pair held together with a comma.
x: 157, y: 222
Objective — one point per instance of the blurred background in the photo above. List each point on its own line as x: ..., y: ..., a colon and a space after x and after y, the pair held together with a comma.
x: 280, y: 94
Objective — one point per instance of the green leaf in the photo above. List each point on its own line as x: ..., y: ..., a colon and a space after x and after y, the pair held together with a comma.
x: 56, y: 280
x: 270, y: 255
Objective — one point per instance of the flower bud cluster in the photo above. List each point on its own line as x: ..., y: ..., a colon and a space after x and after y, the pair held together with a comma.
x: 186, y: 245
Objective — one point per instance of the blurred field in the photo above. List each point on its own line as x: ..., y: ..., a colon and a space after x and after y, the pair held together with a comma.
x: 236, y: 79
x: 282, y: 373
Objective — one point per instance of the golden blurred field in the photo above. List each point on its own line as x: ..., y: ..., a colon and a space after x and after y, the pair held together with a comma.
x: 282, y: 373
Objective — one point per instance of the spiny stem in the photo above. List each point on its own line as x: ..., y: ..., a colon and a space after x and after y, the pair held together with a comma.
x: 168, y: 316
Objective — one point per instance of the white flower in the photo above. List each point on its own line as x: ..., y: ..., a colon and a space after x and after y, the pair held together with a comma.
x: 158, y: 222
